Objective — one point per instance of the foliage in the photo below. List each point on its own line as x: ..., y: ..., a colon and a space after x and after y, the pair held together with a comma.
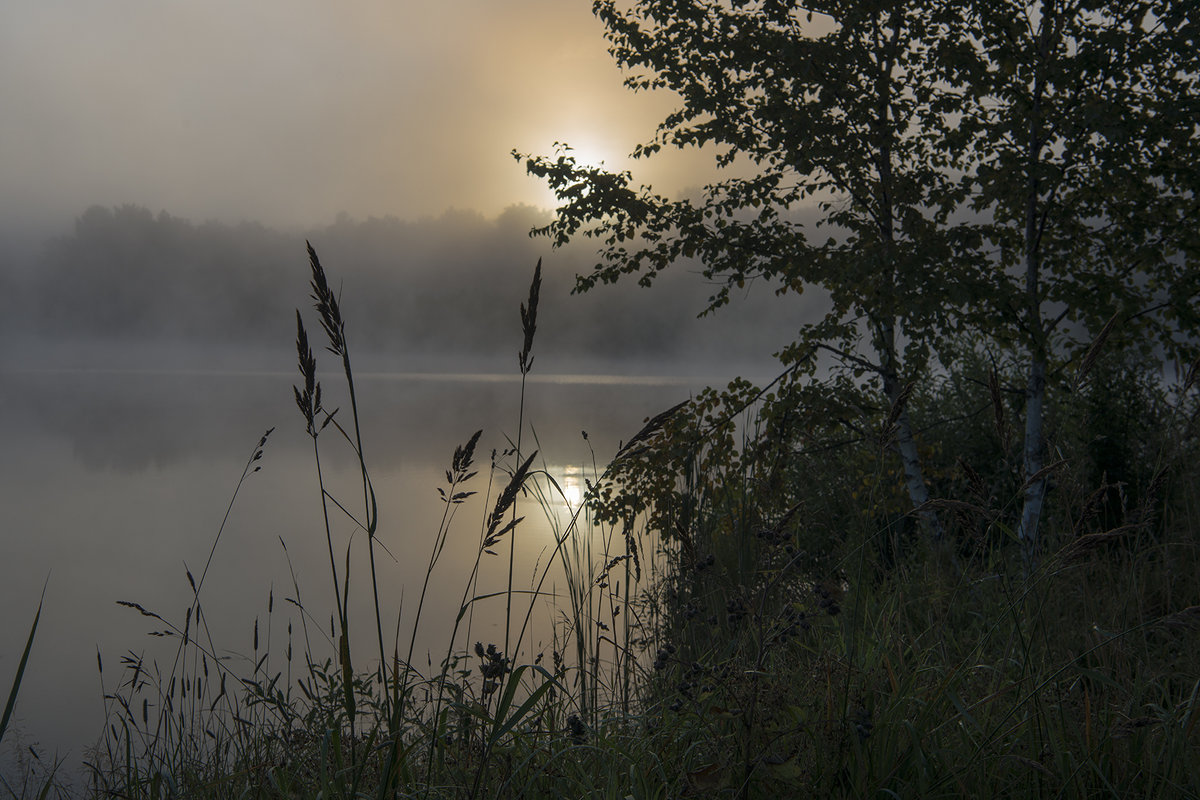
x: 802, y: 651
x: 1077, y: 124
x: 848, y: 107
x: 851, y: 118
x: 1016, y: 170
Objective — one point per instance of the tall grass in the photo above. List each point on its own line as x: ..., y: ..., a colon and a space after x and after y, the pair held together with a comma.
x: 746, y: 610
x: 315, y: 719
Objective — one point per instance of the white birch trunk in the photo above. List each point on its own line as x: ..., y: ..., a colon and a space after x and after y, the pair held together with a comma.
x: 1035, y: 390
x: 905, y: 443
x: 1035, y: 490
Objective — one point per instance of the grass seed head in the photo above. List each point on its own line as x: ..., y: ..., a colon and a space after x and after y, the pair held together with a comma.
x: 327, y: 305
x: 529, y: 320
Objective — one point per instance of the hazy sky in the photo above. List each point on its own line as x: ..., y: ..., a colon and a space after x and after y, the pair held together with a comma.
x: 291, y: 111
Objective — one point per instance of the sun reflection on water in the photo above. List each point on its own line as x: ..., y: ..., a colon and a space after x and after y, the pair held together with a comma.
x: 572, y: 483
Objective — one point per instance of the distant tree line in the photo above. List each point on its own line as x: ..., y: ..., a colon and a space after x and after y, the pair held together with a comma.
x: 444, y: 285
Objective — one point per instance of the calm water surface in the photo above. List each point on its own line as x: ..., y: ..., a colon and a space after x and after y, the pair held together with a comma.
x: 114, y: 482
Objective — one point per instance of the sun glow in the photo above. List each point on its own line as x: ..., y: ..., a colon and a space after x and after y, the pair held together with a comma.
x: 588, y: 151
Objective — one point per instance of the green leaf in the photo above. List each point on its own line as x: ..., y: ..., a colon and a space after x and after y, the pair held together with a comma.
x: 16, y: 687
x: 500, y: 729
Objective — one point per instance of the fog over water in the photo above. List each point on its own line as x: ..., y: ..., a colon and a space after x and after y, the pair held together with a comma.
x: 144, y: 355
x: 144, y: 348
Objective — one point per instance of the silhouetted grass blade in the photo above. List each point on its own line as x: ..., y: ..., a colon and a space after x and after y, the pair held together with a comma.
x: 16, y: 687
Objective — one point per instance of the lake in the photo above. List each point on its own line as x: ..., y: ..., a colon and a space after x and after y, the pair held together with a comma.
x: 114, y: 481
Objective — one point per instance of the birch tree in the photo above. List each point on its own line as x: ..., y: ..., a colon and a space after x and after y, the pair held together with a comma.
x: 1084, y: 135
x: 846, y: 108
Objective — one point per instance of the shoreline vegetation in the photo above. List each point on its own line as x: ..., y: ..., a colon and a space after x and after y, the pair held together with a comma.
x: 750, y: 610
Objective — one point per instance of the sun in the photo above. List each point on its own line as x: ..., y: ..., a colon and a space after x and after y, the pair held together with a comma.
x: 588, y: 151
x: 588, y: 148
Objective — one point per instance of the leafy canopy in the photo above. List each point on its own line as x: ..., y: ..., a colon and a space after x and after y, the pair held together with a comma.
x: 1083, y: 128
x: 846, y: 108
